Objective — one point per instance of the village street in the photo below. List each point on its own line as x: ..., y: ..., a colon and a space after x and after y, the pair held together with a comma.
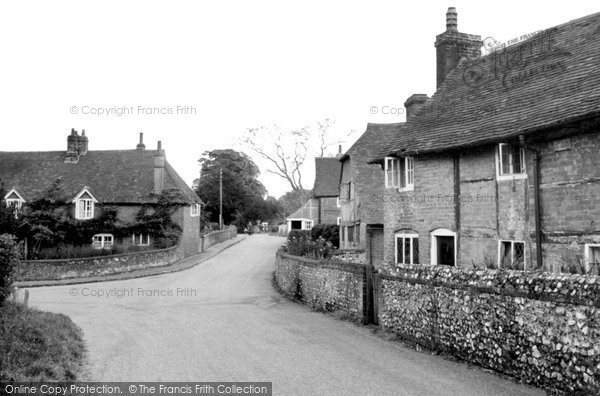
x: 229, y: 324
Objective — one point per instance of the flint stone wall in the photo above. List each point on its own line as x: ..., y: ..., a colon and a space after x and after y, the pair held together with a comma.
x: 325, y: 286
x: 540, y: 327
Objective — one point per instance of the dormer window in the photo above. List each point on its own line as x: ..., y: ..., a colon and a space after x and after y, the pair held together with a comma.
x: 14, y: 200
x: 84, y: 205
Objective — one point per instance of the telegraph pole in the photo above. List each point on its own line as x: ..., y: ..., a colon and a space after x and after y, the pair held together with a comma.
x: 220, y: 198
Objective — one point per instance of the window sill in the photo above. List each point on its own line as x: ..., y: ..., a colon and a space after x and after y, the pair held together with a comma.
x: 405, y: 189
x: 516, y: 176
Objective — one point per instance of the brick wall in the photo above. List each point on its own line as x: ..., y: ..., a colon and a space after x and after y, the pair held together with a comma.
x: 215, y: 237
x: 325, y: 286
x: 542, y: 328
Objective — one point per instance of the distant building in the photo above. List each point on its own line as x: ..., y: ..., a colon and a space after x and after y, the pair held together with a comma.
x: 123, y: 179
x: 326, y: 190
x: 305, y: 217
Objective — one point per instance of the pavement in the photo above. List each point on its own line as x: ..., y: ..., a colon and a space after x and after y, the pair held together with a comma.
x: 221, y: 320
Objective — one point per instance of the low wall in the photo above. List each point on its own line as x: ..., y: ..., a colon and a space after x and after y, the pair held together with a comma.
x: 542, y: 328
x: 350, y: 255
x: 325, y: 286
x: 215, y: 237
x: 34, y: 270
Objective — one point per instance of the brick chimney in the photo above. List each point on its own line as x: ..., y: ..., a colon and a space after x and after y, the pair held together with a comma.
x: 413, y: 104
x: 141, y: 145
x: 159, y: 169
x: 339, y: 154
x: 73, y: 141
x: 83, y: 143
x: 452, y: 46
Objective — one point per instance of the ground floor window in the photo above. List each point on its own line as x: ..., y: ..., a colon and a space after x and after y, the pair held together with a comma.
x: 443, y: 247
x: 592, y: 254
x: 511, y: 254
x: 141, y: 239
x: 407, y: 248
x: 102, y: 241
x: 350, y: 234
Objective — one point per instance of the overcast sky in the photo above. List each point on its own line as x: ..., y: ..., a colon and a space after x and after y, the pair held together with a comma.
x: 238, y: 64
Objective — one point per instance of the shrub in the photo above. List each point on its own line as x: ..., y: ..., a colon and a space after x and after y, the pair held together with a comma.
x: 300, y: 243
x: 68, y: 252
x: 329, y: 232
x: 9, y: 259
x: 274, y: 229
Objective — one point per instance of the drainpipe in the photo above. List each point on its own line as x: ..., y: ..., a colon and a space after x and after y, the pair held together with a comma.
x: 536, y: 201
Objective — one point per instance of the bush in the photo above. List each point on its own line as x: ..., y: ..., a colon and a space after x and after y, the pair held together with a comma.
x: 274, y: 229
x: 300, y: 243
x: 68, y: 252
x: 329, y: 232
x: 9, y: 259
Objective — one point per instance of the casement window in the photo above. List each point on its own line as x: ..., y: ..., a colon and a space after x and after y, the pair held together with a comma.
x: 195, y: 210
x: 511, y: 161
x: 84, y: 205
x: 399, y: 173
x: 511, y: 254
x: 592, y: 254
x: 337, y: 202
x: 308, y: 224
x: 140, y: 239
x: 102, y: 241
x: 339, y: 220
x: 406, y: 248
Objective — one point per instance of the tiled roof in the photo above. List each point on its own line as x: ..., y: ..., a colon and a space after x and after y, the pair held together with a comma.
x: 550, y: 78
x: 119, y: 176
x: 307, y: 211
x: 376, y: 138
x: 327, y: 179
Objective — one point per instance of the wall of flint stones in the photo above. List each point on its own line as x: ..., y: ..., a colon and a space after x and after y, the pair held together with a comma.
x: 540, y: 327
x: 326, y: 286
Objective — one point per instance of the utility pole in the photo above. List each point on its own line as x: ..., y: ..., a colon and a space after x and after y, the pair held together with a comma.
x: 220, y: 198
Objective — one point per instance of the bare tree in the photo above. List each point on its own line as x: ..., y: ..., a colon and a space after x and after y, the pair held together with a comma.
x: 286, y: 151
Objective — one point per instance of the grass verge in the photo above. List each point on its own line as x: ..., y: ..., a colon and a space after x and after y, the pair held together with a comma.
x: 38, y: 346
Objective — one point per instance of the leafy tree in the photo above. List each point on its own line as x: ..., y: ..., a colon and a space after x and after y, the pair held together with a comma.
x: 9, y: 259
x: 243, y: 193
x: 292, y: 200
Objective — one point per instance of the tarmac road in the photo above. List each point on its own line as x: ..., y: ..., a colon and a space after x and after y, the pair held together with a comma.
x: 222, y: 321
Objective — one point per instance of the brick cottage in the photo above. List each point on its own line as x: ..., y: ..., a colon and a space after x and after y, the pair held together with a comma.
x: 122, y: 179
x: 501, y: 166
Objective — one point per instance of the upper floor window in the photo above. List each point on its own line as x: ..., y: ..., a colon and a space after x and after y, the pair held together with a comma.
x: 84, y: 205
x: 511, y: 254
x: 195, y: 210
x: 511, y: 161
x: 337, y: 202
x: 407, y: 248
x: 14, y: 200
x: 399, y: 173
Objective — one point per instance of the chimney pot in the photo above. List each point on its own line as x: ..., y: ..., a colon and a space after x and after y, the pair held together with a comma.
x: 141, y: 145
x: 452, y: 20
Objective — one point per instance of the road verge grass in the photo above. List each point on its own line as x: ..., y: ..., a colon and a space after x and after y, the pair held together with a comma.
x: 38, y: 346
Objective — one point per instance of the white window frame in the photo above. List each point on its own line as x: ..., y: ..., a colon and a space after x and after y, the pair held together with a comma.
x: 308, y: 224
x: 499, y: 165
x: 138, y: 239
x: 17, y: 202
x: 339, y: 220
x: 402, y: 236
x: 390, y: 164
x: 337, y: 202
x: 195, y: 210
x: 433, y: 252
x: 404, y: 168
x: 512, y: 253
x: 104, y: 239
x: 588, y: 249
x: 87, y: 211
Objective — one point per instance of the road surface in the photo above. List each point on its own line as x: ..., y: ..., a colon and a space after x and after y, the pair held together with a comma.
x: 222, y: 321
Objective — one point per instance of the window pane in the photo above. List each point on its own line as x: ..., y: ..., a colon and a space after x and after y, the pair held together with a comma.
x: 594, y: 255
x: 516, y: 153
x: 415, y: 243
x: 409, y: 171
x: 505, y: 159
x: 406, y: 250
x: 519, y: 255
x: 402, y: 163
x: 505, y: 253
x: 399, y: 250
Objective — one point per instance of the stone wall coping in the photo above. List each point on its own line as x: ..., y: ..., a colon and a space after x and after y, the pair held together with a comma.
x: 543, y: 286
x: 328, y: 264
x: 103, y: 257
